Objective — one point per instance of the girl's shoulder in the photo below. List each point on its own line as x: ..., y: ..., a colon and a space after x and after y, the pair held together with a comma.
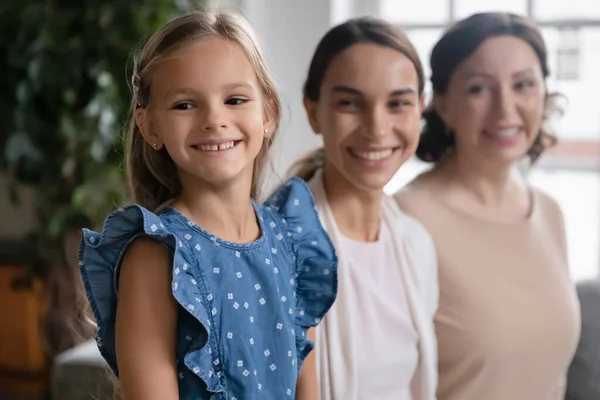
x: 292, y: 218
x: 291, y: 210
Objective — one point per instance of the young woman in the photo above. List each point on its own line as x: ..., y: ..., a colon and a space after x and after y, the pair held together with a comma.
x: 364, y: 95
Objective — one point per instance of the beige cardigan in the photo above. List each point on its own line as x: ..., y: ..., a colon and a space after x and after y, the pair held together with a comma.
x: 335, y: 346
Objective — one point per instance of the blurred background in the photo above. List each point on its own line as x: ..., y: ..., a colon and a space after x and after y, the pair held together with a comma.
x: 64, y: 95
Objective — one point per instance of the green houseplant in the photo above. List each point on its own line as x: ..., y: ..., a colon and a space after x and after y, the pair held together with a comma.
x: 64, y: 98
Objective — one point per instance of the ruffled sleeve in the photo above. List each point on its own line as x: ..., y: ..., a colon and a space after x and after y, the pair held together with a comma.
x: 313, y: 256
x: 100, y: 256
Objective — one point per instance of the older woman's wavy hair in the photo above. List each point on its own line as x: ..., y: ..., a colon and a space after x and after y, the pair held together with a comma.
x: 457, y: 44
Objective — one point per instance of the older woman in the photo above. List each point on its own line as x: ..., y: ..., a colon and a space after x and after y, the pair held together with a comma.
x: 508, y: 321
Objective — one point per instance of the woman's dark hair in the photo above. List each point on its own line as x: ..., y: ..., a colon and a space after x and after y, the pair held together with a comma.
x: 366, y: 30
x: 456, y: 45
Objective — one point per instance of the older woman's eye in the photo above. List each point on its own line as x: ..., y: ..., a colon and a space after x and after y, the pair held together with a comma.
x: 477, y: 88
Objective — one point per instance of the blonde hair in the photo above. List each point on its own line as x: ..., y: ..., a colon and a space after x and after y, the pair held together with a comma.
x: 152, y: 175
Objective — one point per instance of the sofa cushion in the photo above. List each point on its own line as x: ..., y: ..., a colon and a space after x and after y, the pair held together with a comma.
x: 81, y: 373
x: 583, y: 380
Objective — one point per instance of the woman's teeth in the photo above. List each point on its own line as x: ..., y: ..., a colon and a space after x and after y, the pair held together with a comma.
x: 216, y: 147
x: 372, y: 155
x: 505, y: 132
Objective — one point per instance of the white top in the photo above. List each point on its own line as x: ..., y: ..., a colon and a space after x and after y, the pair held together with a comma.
x: 387, y: 365
x: 340, y: 336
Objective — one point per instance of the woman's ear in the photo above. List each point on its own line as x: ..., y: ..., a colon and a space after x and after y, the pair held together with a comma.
x: 439, y: 104
x: 311, y: 112
x: 422, y: 102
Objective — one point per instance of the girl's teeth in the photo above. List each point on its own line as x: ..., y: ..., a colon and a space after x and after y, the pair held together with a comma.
x: 215, y: 147
x: 373, y: 155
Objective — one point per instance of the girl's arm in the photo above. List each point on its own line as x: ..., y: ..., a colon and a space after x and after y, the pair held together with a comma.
x: 146, y: 324
x: 307, y: 387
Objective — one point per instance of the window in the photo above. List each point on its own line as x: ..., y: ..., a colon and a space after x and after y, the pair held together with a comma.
x: 417, y: 12
x: 578, y: 194
x: 464, y: 8
x: 568, y: 55
x: 551, y: 10
x: 579, y: 51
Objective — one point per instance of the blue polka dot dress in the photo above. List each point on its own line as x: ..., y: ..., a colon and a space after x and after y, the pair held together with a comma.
x: 245, y: 308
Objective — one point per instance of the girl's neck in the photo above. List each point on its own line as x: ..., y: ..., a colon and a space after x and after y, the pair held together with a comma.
x: 225, y: 211
x: 356, y: 211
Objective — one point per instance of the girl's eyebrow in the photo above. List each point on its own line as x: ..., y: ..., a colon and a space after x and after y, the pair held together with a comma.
x: 238, y: 85
x: 192, y: 91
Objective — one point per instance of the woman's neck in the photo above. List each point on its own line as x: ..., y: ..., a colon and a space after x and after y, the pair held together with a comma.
x: 356, y: 211
x: 488, y: 192
x: 488, y: 184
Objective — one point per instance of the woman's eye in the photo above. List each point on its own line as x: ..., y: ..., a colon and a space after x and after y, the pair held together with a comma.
x: 524, y: 84
x: 398, y: 103
x: 476, y: 89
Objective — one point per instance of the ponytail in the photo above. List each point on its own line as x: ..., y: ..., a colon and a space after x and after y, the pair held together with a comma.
x: 436, y: 139
x: 307, y: 166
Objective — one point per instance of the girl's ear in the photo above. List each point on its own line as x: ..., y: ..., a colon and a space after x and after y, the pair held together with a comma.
x: 144, y: 123
x: 269, y: 120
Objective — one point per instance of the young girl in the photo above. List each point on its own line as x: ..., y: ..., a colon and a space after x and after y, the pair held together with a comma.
x: 364, y: 94
x: 215, y: 292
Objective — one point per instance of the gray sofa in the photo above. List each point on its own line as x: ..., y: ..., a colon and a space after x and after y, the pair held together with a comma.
x: 81, y: 373
x: 583, y: 380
